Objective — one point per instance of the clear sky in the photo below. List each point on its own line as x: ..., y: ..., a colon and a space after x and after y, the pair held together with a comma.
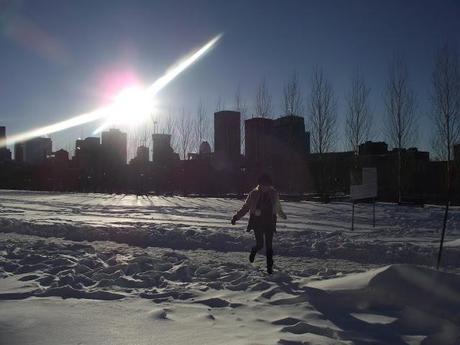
x: 61, y: 58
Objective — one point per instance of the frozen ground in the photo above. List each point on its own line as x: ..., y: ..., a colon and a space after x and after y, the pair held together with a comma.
x: 111, y: 269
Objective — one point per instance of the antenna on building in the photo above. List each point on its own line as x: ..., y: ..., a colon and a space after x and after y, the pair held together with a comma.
x: 155, y: 124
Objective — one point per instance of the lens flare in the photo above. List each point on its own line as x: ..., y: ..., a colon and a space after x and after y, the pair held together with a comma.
x: 120, y: 109
x: 131, y: 107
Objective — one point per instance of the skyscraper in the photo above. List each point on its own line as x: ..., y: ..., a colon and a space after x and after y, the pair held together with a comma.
x: 88, y: 153
x: 5, y: 153
x: 19, y: 152
x: 36, y: 150
x: 289, y: 135
x: 162, y: 151
x: 227, y: 139
x: 258, y: 140
x: 114, y: 147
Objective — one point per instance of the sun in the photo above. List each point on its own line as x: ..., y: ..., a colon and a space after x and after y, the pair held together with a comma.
x: 132, y: 106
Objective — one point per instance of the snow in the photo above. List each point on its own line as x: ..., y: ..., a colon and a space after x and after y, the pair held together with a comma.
x: 114, y: 269
x: 351, y: 282
x: 403, y: 234
x: 454, y: 243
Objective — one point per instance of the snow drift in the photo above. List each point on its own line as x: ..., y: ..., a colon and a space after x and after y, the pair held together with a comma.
x: 131, y: 295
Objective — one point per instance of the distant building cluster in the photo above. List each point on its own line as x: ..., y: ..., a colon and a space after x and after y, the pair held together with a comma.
x: 280, y: 147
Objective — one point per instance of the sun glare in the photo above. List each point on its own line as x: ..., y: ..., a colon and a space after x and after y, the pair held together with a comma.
x: 132, y: 106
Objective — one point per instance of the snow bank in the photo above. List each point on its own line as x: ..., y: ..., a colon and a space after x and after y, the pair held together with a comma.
x: 113, y: 294
x: 416, y: 300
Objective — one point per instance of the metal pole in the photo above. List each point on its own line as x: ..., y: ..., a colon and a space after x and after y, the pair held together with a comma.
x: 446, y: 213
x: 353, y: 217
x: 443, y: 234
x: 373, y: 214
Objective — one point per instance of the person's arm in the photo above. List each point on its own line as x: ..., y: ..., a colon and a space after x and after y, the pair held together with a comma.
x: 279, y: 209
x: 243, y: 210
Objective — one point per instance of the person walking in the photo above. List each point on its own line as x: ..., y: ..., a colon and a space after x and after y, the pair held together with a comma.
x: 263, y: 205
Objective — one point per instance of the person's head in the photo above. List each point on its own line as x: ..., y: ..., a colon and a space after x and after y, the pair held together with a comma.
x: 264, y: 181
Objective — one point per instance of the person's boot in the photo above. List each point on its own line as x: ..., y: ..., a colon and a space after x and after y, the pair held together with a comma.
x: 269, y: 261
x: 252, y: 255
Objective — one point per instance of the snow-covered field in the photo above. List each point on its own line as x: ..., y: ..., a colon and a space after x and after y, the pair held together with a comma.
x: 116, y: 269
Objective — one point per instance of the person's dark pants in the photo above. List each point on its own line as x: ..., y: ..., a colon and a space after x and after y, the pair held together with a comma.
x: 268, y: 236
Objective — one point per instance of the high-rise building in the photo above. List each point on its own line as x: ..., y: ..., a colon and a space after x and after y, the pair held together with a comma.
x: 90, y: 144
x: 114, y: 147
x: 19, y: 152
x: 36, y: 150
x: 258, y: 140
x: 227, y: 134
x: 289, y: 136
x: 2, y: 133
x: 162, y: 152
x: 88, y: 152
x: 5, y: 153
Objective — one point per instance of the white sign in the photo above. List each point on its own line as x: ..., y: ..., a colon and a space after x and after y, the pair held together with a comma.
x: 368, y: 188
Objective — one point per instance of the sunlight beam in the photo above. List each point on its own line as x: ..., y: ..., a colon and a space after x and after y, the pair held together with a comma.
x: 104, y: 112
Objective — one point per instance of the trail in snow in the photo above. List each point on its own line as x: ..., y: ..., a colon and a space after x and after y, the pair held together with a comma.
x: 203, y: 297
x: 403, y: 234
x: 115, y: 269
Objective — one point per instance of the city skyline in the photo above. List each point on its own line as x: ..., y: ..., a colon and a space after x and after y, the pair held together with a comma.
x: 64, y: 80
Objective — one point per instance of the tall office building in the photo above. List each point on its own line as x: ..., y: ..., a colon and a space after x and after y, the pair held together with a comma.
x: 88, y: 152
x: 19, y: 152
x: 114, y: 147
x: 36, y: 150
x: 5, y: 153
x: 289, y: 136
x: 162, y: 152
x: 258, y: 140
x: 2, y: 133
x: 227, y: 134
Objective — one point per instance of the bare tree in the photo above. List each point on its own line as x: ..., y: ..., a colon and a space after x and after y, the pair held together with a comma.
x: 322, y: 122
x: 292, y: 104
x: 446, y: 117
x: 322, y: 113
x: 358, y: 118
x: 184, y: 130
x: 263, y: 100
x: 400, y: 111
x: 446, y: 103
x: 201, y: 126
x: 292, y: 97
x: 220, y: 105
x: 399, y: 106
x: 168, y: 125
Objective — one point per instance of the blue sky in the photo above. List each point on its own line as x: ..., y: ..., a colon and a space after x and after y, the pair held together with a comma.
x: 56, y: 57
